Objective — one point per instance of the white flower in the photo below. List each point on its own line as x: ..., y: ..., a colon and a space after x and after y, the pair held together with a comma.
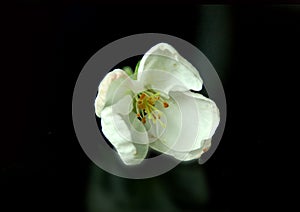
x: 156, y: 108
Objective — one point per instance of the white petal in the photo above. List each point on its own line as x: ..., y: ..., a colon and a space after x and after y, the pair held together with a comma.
x: 168, y: 135
x: 191, y: 121
x: 156, y: 130
x: 163, y: 68
x: 207, y: 109
x: 113, y: 87
x: 124, y: 106
x: 118, y: 130
x: 206, y: 145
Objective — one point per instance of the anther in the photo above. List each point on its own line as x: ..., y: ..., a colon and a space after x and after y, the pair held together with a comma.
x: 142, y: 96
x: 144, y: 120
x: 145, y: 106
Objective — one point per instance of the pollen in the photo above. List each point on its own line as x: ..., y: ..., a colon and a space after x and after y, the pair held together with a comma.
x: 146, y: 106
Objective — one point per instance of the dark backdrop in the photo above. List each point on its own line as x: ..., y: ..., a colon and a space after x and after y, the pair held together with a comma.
x: 254, y: 49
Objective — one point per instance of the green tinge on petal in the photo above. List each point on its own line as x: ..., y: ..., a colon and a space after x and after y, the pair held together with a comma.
x: 134, y: 76
x: 128, y: 70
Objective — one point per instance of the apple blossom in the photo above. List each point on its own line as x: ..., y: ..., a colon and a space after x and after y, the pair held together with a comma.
x: 155, y: 108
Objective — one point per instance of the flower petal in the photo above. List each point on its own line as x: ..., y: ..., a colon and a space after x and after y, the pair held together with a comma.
x: 191, y: 121
x: 208, y: 111
x: 115, y: 85
x: 163, y: 68
x: 117, y: 128
x: 183, y: 156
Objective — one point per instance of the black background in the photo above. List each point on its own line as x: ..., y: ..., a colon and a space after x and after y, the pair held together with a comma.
x: 43, y: 166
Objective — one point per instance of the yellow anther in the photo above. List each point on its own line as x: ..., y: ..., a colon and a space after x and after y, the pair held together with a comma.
x: 145, y: 106
x: 152, y: 101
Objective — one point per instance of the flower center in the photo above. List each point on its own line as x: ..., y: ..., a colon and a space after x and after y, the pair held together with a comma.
x: 145, y: 106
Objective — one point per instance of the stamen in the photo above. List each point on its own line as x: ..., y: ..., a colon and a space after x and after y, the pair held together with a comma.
x: 142, y: 96
x: 141, y: 106
x: 151, y: 101
x: 154, y: 116
x: 154, y: 108
x: 161, y: 123
x: 148, y: 112
x: 144, y: 120
x: 136, y: 108
x: 145, y: 106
